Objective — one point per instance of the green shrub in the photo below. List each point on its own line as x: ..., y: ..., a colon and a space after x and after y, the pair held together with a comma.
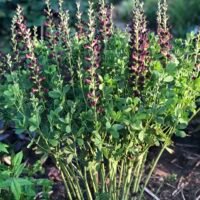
x: 14, y: 182
x: 97, y: 99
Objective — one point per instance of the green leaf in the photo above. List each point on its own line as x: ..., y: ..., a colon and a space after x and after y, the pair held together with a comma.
x: 158, y: 67
x: 68, y: 129
x: 43, y: 182
x: 33, y: 120
x: 114, y: 130
x: 19, y: 130
x: 105, y: 152
x: 32, y: 128
x: 114, y: 133
x: 67, y: 118
x: 137, y: 125
x: 53, y: 142
x: 51, y: 69
x: 171, y: 68
x: 80, y: 142
x: 3, y: 148
x: 108, y: 125
x: 17, y: 159
x: 70, y: 158
x: 183, y: 123
x: 66, y: 89
x: 5, y: 183
x: 168, y: 79
x: 128, y: 110
x: 197, y: 84
x: 181, y: 134
x: 101, y: 86
x: 24, y: 182
x: 142, y: 115
x: 141, y: 135
x: 117, y: 127
x: 54, y: 94
x: 18, y: 169
x: 16, y: 189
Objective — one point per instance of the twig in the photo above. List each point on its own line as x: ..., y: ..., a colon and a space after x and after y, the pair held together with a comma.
x: 170, y: 185
x: 197, y: 196
x: 184, y: 182
x: 181, y: 185
x: 151, y: 193
x: 182, y: 194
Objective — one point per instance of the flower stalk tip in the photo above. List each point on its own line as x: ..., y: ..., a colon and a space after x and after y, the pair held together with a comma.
x: 139, y: 44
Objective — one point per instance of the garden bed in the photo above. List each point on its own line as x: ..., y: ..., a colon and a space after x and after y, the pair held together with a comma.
x: 92, y: 109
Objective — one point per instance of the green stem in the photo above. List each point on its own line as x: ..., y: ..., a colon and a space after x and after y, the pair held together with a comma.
x: 129, y: 182
x: 112, y: 176
x: 103, y: 174
x: 125, y: 180
x: 152, y: 170
x: 76, y: 185
x: 66, y: 186
x: 89, y: 194
x: 68, y: 177
x: 120, y: 179
x: 115, y: 183
x: 192, y: 117
x: 93, y: 181
x: 139, y: 172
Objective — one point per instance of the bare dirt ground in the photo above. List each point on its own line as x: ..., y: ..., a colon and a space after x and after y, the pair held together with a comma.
x: 177, y: 175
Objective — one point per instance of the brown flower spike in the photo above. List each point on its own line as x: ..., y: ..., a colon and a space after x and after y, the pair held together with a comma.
x: 93, y: 58
x: 23, y: 34
x: 139, y: 44
x: 105, y: 20
x: 163, y: 29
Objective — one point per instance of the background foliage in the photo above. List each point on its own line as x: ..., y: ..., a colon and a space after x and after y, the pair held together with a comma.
x: 184, y: 14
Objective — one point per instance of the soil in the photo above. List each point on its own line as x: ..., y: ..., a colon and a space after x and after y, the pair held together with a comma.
x: 177, y: 175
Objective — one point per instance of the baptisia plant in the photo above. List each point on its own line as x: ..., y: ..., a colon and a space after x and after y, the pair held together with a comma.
x: 96, y: 99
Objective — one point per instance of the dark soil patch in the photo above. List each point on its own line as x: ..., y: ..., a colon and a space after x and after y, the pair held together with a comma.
x: 177, y: 175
